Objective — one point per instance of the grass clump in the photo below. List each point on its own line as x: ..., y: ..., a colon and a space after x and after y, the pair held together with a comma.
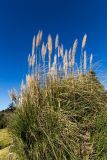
x: 60, y: 109
x: 42, y: 132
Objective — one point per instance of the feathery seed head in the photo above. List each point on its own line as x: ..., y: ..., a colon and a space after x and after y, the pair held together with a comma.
x: 57, y: 41
x: 65, y: 57
x: 33, y: 46
x: 29, y: 60
x: 43, y: 51
x: 61, y: 50
x: 23, y: 87
x: 65, y: 63
x: 49, y: 44
x: 74, y: 51
x: 39, y: 38
x: 65, y: 60
x: 84, y: 41
x: 28, y: 81
x: 70, y: 54
x: 33, y: 60
x: 85, y: 61
x: 53, y: 70
x: 55, y: 59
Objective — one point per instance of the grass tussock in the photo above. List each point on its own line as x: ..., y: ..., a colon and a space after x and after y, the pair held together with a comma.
x: 61, y: 107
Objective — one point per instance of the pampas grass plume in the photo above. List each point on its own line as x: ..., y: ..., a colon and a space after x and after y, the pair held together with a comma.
x: 55, y: 59
x: 91, y: 61
x: 49, y: 44
x: 43, y: 51
x: 29, y: 60
x: 74, y: 51
x: 28, y: 81
x: 33, y: 46
x: 84, y: 41
x: 85, y: 61
x: 39, y: 38
x: 56, y: 41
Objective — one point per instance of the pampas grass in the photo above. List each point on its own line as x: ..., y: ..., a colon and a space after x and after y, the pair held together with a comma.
x: 85, y: 61
x: 73, y: 54
x: 82, y: 53
x: 49, y: 46
x: 56, y: 41
x: 58, y: 109
x: 91, y: 61
x: 39, y: 38
x: 84, y: 41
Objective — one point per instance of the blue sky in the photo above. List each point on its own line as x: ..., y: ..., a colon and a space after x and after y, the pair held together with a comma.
x: 21, y: 19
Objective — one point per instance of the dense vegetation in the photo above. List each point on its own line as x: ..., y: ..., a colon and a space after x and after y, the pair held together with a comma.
x: 5, y: 114
x: 62, y: 109
x: 69, y: 122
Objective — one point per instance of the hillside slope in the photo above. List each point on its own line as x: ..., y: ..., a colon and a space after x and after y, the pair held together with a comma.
x: 5, y: 142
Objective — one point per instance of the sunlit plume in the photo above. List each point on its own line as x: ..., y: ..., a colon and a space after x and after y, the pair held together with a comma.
x: 23, y: 92
x: 43, y: 51
x: 85, y: 61
x: 91, y: 61
x: 56, y: 41
x: 59, y: 51
x: 49, y: 46
x: 28, y: 81
x: 55, y: 59
x: 74, y: 51
x: 62, y: 50
x: 33, y: 46
x: 70, y: 56
x: 53, y: 70
x: 84, y: 41
x: 65, y: 62
x: 29, y: 61
x: 33, y: 60
x: 23, y: 87
x: 39, y: 38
